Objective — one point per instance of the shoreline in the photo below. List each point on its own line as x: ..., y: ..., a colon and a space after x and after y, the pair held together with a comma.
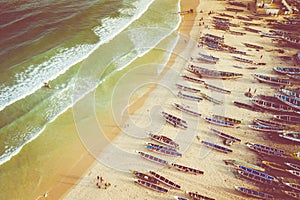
x: 216, y: 178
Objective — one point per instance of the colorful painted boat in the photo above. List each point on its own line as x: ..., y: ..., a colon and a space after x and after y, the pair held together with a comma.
x: 290, y: 93
x: 209, y: 73
x: 165, y: 181
x: 271, y: 79
x: 266, y: 128
x: 189, y: 97
x: 294, y: 186
x: 269, y: 123
x: 227, y: 119
x: 219, y: 122
x: 258, y: 178
x: 209, y: 98
x: 272, y: 106
x: 293, y: 136
x: 186, y: 88
x: 274, y: 165
x: 175, y: 121
x: 294, y: 172
x: 180, y: 198
x: 292, y: 194
x: 216, y: 147
x: 152, y: 158
x: 265, y: 149
x: 164, y: 140
x: 225, y: 136
x: 247, y: 106
x: 243, y: 163
x: 253, y: 46
x: 197, y: 196
x: 294, y: 102
x: 293, y: 165
x: 186, y: 169
x: 217, y: 89
x: 287, y: 70
x: 151, y: 186
x: 192, y: 79
x: 163, y: 150
x: 290, y: 119
x: 254, y: 193
x: 184, y: 109
x: 144, y: 177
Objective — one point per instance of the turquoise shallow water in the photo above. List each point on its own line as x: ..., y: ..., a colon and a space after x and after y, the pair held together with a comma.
x: 50, y: 41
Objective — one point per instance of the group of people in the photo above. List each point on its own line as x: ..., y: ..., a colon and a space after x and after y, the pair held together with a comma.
x: 100, y: 182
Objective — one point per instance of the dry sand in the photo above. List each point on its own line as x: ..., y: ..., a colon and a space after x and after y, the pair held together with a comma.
x: 117, y: 159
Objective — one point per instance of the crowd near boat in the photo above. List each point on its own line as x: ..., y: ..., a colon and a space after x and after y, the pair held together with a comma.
x: 283, y: 105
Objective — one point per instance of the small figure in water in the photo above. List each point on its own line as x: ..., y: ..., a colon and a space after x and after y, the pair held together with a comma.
x: 47, y: 85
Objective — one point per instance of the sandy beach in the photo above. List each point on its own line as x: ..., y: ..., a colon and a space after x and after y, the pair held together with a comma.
x: 137, y: 111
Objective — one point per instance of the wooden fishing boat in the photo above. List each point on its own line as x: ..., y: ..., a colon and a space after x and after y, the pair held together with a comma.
x: 192, y: 79
x: 216, y: 147
x: 165, y: 181
x: 273, y: 165
x: 272, y: 106
x: 237, y: 52
x: 208, y: 73
x: 219, y: 122
x: 265, y: 149
x: 295, y: 155
x: 236, y: 32
x: 243, y: 163
x: 290, y: 93
x: 180, y: 198
x: 214, y: 37
x: 221, y: 19
x: 226, y: 15
x: 251, y: 23
x: 163, y: 150
x: 234, y: 10
x: 243, y: 59
x: 290, y: 119
x: 293, y: 165
x: 168, y: 115
x: 258, y: 178
x: 294, y: 186
x: 294, y: 172
x: 189, y: 97
x: 247, y: 106
x: 225, y: 136
x: 246, y: 67
x: 271, y: 80
x: 254, y: 193
x: 243, y: 18
x: 265, y: 128
x: 182, y: 108
x: 269, y: 123
x: 144, y: 177
x: 253, y: 46
x: 251, y: 29
x: 237, y: 3
x: 296, y: 78
x: 256, y: 172
x: 287, y: 70
x: 294, y: 102
x: 293, y: 136
x: 186, y: 88
x: 292, y: 194
x: 164, y: 140
x: 227, y: 119
x: 270, y: 35
x: 175, y: 121
x: 197, y: 196
x: 217, y: 89
x: 151, y: 186
x: 186, y: 169
x: 152, y: 158
x: 208, y: 58
x: 209, y: 98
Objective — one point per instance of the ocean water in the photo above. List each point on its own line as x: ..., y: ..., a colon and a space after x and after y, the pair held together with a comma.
x: 49, y: 41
